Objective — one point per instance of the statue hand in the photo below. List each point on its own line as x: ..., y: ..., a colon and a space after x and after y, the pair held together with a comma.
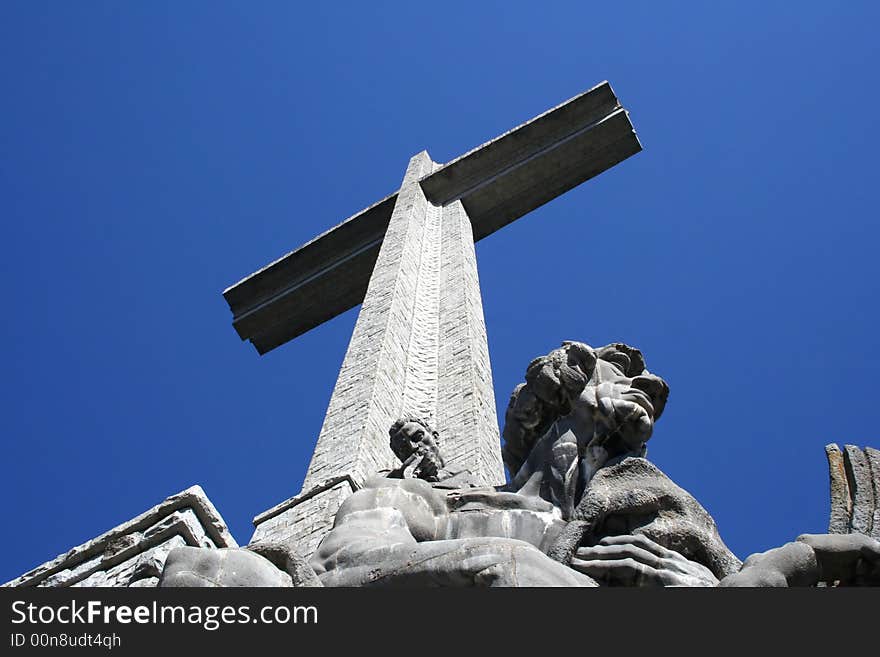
x: 751, y: 577
x: 813, y: 558
x: 848, y: 558
x: 636, y: 560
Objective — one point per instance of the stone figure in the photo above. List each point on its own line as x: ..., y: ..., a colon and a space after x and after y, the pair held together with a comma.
x: 579, y: 412
x: 583, y: 508
x: 259, y: 564
x: 840, y: 559
x: 415, y: 443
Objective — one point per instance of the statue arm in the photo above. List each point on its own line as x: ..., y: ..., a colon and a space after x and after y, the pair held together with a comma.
x: 812, y: 558
x: 793, y: 564
x: 392, y: 532
x: 387, y: 515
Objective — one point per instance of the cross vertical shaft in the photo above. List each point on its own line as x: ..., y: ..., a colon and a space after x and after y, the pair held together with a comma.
x: 419, y: 347
x: 466, y: 398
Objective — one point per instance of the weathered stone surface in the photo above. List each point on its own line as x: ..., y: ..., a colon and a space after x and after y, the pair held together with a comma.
x: 861, y: 486
x: 224, y: 567
x: 146, y: 583
x: 139, y: 570
x: 855, y: 490
x: 464, y: 410
x: 874, y: 463
x: 286, y: 558
x: 635, y: 497
x: 134, y: 551
x: 841, y: 503
x: 149, y: 566
x: 793, y: 564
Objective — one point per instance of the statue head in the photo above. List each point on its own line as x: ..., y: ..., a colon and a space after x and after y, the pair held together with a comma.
x: 607, y: 393
x: 416, y: 444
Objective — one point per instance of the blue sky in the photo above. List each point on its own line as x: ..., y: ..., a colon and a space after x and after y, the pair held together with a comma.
x: 151, y: 154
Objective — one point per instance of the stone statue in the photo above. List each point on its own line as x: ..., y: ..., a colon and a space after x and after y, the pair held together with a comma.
x: 840, y: 559
x: 415, y: 443
x: 580, y: 412
x: 583, y: 508
x: 259, y: 564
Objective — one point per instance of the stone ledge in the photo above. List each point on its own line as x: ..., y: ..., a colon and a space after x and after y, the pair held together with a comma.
x: 305, y: 495
x: 172, y: 517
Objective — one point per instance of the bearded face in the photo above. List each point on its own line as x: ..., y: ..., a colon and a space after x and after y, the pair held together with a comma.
x: 622, y: 409
x: 579, y: 409
x: 416, y: 446
x: 604, y: 396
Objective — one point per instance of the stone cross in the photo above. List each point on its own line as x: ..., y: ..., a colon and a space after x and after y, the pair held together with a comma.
x: 419, y: 345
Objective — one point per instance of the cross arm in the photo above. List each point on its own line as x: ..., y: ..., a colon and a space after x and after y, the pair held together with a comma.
x: 497, y: 183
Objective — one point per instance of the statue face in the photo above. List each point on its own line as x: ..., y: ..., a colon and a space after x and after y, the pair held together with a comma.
x: 622, y: 408
x: 604, y: 397
x: 413, y: 438
x: 408, y: 437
